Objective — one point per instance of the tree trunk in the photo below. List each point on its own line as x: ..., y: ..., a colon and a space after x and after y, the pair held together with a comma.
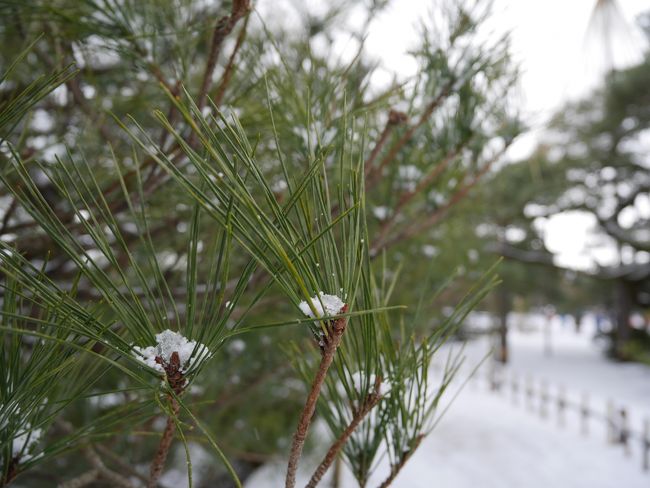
x: 623, y: 305
x: 503, y: 306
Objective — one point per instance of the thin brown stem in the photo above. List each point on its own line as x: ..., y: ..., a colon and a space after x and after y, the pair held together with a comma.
x: 334, y: 334
x: 121, y: 463
x: 82, y: 480
x: 420, y: 226
x: 223, y: 27
x: 396, y: 468
x: 408, y: 135
x: 163, y: 448
x: 100, y: 469
x: 394, y: 119
x: 177, y: 383
x: 227, y: 74
x: 368, y: 405
x: 407, y: 196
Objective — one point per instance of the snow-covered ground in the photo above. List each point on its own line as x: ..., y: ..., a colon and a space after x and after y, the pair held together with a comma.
x: 490, y: 439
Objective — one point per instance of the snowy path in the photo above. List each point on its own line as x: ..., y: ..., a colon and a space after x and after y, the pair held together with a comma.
x: 486, y: 441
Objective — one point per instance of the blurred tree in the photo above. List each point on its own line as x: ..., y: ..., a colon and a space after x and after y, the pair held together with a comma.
x: 594, y: 163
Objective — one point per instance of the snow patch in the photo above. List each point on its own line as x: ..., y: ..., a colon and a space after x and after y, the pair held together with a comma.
x: 168, y: 342
x: 329, y: 304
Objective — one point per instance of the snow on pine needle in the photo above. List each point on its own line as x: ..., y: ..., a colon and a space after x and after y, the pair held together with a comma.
x: 323, y: 304
x: 169, y: 342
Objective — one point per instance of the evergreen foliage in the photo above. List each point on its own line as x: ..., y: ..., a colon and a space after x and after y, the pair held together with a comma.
x: 187, y: 166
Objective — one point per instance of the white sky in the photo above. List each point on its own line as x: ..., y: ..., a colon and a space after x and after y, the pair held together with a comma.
x: 548, y: 41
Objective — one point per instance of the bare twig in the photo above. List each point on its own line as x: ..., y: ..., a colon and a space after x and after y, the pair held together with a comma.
x: 121, y: 463
x: 99, y: 468
x: 82, y: 480
x: 359, y: 415
x: 335, y: 330
x: 104, y: 472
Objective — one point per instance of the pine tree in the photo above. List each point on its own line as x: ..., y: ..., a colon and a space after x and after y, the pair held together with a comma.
x: 190, y: 196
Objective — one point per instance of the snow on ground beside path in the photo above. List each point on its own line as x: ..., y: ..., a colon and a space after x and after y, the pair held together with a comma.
x: 486, y: 440
x: 578, y: 362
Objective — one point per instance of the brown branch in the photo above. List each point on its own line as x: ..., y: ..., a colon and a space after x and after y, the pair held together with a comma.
x: 395, y: 118
x: 335, y: 331
x: 359, y: 415
x: 121, y: 463
x: 163, y: 448
x: 396, y: 468
x: 408, y: 134
x: 418, y: 227
x: 12, y: 472
x: 227, y: 74
x: 223, y: 27
x: 428, y: 178
x: 104, y: 472
x: 82, y: 480
x: 101, y: 470
x: 177, y: 383
x: 407, y: 196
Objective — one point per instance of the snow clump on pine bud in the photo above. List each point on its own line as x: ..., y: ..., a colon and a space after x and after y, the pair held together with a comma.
x: 323, y: 304
x: 167, y: 343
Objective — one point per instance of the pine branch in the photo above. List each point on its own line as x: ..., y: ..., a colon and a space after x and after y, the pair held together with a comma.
x: 82, y: 480
x: 416, y: 227
x: 371, y: 401
x: 100, y: 470
x: 177, y: 383
x: 395, y: 118
x: 163, y: 448
x: 332, y: 340
x: 408, y: 134
x: 227, y: 74
x: 223, y: 27
x: 407, y: 196
x: 396, y: 468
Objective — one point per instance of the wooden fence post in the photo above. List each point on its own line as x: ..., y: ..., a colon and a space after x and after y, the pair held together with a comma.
x: 584, y: 414
x: 529, y: 392
x: 610, y: 422
x: 624, y: 431
x: 543, y: 396
x: 645, y: 445
x: 561, y: 406
x: 495, y: 379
